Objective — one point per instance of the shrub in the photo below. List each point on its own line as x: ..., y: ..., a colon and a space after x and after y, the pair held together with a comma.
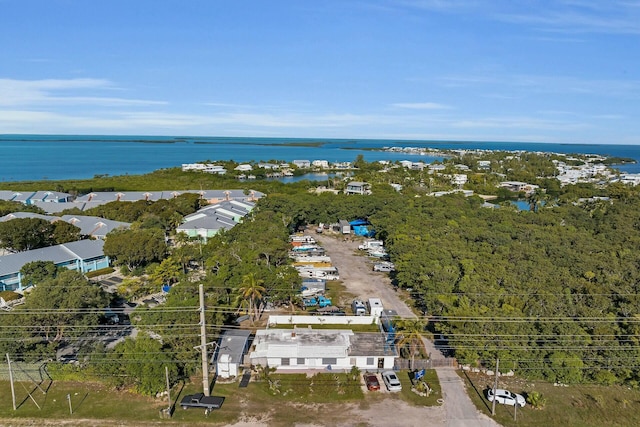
x: 536, y: 400
x: 10, y: 295
x: 100, y: 272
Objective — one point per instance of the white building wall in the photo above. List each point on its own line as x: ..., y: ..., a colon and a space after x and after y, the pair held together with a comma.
x: 321, y: 320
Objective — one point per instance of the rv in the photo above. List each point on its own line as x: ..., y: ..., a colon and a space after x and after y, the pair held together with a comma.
x: 358, y: 307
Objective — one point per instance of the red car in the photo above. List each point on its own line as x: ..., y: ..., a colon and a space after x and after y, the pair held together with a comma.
x: 371, y: 380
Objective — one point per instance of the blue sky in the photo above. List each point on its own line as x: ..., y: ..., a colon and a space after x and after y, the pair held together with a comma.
x: 559, y: 71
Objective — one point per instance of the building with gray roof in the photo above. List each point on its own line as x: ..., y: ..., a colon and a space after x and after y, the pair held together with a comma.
x: 208, y: 221
x: 335, y: 349
x: 91, y: 226
x: 82, y: 255
x: 232, y: 347
x: 94, y: 226
x: 23, y: 215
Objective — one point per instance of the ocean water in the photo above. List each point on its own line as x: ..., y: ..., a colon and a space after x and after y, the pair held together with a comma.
x: 54, y: 157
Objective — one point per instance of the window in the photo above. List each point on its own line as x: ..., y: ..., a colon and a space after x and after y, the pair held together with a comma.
x: 301, y: 361
x: 329, y: 361
x: 285, y: 361
x: 370, y: 361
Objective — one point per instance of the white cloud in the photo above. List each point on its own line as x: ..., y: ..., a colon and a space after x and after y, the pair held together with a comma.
x: 421, y: 106
x: 56, y: 91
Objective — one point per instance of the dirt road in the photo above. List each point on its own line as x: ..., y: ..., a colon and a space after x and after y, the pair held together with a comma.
x: 356, y: 272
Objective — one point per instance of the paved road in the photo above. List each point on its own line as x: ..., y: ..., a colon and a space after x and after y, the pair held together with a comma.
x: 359, y: 279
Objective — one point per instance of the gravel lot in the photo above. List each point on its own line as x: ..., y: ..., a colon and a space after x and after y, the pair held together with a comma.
x: 356, y: 272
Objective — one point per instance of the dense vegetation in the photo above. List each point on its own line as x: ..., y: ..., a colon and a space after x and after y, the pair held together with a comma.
x: 553, y: 292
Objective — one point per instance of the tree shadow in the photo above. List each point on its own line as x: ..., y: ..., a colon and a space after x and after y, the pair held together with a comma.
x: 81, y: 401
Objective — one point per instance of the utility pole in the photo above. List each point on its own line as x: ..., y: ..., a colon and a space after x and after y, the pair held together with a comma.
x: 495, y: 387
x: 166, y: 374
x: 13, y: 390
x: 203, y: 344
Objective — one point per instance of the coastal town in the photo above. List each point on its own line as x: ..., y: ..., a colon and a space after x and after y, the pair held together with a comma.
x: 336, y: 304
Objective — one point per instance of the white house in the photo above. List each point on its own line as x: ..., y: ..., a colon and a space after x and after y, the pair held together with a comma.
x: 231, y: 349
x: 302, y: 163
x: 458, y: 179
x: 321, y: 349
x: 356, y: 187
x: 204, y: 167
x: 323, y: 164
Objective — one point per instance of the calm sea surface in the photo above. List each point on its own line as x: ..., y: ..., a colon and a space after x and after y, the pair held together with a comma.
x: 53, y: 157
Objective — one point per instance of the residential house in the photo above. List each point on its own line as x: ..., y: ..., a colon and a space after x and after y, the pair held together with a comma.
x: 232, y: 347
x: 458, y: 179
x: 517, y: 186
x: 436, y: 167
x: 208, y: 221
x: 357, y: 187
x: 22, y: 215
x: 269, y: 166
x: 205, y: 167
x: 323, y: 164
x: 95, y: 227
x: 302, y: 164
x: 82, y: 255
x: 342, y: 165
x: 90, y: 226
x: 321, y: 349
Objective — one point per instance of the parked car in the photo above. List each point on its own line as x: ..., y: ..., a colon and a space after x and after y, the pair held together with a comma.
x: 506, y: 397
x: 371, y: 380
x: 384, y: 266
x: 391, y: 381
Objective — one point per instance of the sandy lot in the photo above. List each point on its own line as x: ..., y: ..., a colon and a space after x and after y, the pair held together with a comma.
x: 356, y: 272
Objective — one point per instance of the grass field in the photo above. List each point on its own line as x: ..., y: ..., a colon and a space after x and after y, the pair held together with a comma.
x: 295, y: 398
x: 566, y: 406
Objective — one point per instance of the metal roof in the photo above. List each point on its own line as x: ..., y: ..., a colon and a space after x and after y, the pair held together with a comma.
x: 59, y: 254
x: 234, y: 343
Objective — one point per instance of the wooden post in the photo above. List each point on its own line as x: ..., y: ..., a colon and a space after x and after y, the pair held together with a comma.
x: 495, y: 387
x: 69, y: 399
x: 203, y: 344
x: 13, y: 390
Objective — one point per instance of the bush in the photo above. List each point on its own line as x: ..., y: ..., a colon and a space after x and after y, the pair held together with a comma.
x: 10, y: 295
x: 100, y: 272
x: 536, y: 400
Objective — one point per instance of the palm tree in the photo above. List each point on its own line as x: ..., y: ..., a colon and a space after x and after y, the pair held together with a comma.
x: 251, y: 292
x: 410, y: 332
x: 536, y: 199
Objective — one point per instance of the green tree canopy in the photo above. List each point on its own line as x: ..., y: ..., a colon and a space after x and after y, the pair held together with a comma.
x: 58, y: 308
x: 135, y: 247
x: 23, y: 234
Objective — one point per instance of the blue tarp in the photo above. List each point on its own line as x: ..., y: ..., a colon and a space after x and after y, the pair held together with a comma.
x: 361, y: 228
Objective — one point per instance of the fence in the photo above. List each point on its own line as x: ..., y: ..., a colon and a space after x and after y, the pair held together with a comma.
x: 449, y: 362
x: 23, y: 371
x: 320, y: 320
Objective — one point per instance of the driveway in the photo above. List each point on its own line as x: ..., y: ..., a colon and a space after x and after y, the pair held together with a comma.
x: 356, y: 272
